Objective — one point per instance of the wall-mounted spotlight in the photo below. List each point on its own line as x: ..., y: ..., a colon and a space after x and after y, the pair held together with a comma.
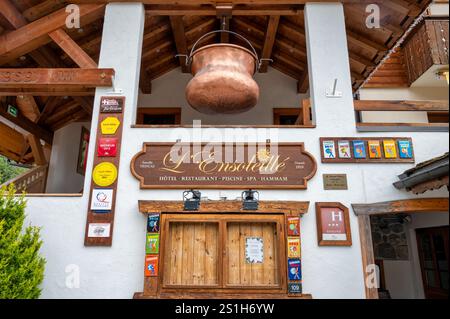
x: 250, y: 200
x: 191, y: 199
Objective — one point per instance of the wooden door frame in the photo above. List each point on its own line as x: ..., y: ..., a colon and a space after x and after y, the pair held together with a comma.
x: 408, y: 206
x: 153, y: 286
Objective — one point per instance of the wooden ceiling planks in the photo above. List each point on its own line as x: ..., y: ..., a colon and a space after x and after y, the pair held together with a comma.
x: 366, y: 46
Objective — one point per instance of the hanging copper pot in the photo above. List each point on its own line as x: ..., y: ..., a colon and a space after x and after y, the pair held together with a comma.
x: 223, y: 78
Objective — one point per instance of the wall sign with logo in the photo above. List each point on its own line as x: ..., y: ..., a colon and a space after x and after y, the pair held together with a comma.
x: 181, y: 166
x: 333, y: 224
x: 102, y: 200
x: 367, y: 150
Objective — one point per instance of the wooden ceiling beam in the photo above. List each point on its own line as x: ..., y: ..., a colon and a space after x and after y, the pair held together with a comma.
x: 49, y: 107
x: 213, y: 2
x: 27, y: 125
x: 46, y: 91
x: 238, y: 10
x: 145, y: 82
x: 85, y: 103
x: 28, y: 107
x: 72, y: 49
x: 11, y: 142
x: 55, y: 78
x: 43, y: 56
x: 37, y: 150
x: 11, y: 15
x: 303, y: 83
x: 34, y: 35
x: 179, y: 36
x: 42, y: 9
x: 271, y: 33
x: 363, y: 42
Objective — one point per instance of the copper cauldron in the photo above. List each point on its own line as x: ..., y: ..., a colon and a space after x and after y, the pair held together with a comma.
x: 223, y: 79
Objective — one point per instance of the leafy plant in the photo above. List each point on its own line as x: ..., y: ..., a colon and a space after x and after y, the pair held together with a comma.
x: 21, y: 266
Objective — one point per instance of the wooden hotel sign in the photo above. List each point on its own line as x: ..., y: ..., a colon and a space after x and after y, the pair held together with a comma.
x: 207, y: 166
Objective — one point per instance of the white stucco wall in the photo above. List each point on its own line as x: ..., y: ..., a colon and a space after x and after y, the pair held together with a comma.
x: 62, y: 175
x: 117, y: 271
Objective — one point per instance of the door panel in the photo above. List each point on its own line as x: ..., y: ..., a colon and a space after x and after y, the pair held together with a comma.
x: 193, y: 254
x: 433, y: 248
x: 240, y: 271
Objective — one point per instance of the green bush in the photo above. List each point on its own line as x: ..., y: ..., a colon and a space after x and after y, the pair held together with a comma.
x: 21, y: 266
x: 7, y: 171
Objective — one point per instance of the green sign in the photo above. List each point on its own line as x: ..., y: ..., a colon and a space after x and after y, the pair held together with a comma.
x: 12, y: 110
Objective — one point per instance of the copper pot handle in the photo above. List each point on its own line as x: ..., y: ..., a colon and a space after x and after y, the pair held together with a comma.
x: 257, y: 65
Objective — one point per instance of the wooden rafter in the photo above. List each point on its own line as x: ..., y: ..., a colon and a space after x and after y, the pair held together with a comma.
x: 34, y: 35
x: 43, y: 55
x: 37, y: 150
x: 303, y: 83
x: 48, y: 108
x: 28, y: 107
x: 72, y: 49
x: 269, y: 41
x: 180, y: 40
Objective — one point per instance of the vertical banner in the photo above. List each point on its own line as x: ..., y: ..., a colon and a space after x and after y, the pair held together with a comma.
x: 103, y: 191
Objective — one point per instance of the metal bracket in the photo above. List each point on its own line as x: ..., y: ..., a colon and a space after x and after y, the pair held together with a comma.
x: 114, y: 90
x: 224, y: 10
x: 334, y: 92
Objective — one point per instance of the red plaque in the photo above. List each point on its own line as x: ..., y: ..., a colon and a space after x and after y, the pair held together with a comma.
x: 107, y: 147
x: 333, y: 224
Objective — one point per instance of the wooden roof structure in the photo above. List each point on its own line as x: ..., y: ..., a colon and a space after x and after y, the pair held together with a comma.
x: 32, y: 35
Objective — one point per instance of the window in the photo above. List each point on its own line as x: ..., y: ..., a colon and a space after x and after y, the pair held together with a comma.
x: 286, y: 116
x: 158, y: 116
x: 301, y: 117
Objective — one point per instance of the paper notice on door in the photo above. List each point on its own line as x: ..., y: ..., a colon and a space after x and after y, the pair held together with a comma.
x: 254, y: 250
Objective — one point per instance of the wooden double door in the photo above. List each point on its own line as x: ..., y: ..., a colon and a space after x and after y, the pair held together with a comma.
x: 211, y: 252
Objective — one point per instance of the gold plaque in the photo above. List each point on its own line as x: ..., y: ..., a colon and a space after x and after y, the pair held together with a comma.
x: 335, y: 182
x: 104, y: 174
x: 110, y: 125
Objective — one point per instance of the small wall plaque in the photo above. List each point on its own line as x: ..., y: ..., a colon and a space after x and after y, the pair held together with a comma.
x: 294, y: 288
x: 335, y: 182
x: 333, y: 224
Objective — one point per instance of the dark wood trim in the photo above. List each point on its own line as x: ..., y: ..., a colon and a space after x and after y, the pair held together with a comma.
x: 265, y: 207
x: 199, y: 295
x: 410, y: 106
x: 416, y: 205
x: 321, y: 242
x: 402, y: 127
x: 278, y: 112
x: 368, y: 259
